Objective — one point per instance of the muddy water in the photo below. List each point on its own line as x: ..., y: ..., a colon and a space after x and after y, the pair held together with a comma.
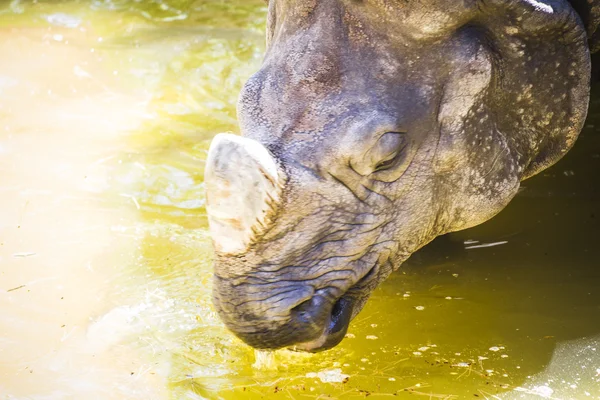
x: 106, y: 112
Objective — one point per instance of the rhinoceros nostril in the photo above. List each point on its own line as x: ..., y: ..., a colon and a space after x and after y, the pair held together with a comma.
x: 311, y: 310
x: 337, y: 310
x: 340, y: 316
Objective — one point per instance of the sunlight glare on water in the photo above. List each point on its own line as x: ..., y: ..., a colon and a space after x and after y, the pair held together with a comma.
x: 107, y: 109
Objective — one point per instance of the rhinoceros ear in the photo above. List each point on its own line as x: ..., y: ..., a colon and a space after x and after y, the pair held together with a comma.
x: 543, y: 74
x: 243, y: 188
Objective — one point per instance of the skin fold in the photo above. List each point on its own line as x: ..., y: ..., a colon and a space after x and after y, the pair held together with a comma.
x: 380, y: 125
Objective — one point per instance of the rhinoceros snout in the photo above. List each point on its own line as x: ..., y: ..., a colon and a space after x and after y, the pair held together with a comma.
x: 276, y: 317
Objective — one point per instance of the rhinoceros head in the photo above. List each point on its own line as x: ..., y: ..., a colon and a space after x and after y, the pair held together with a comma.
x: 372, y: 127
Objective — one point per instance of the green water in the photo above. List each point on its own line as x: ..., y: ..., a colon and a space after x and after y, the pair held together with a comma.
x: 107, y: 109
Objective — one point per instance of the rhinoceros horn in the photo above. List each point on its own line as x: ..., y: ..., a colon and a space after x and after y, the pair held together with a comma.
x: 243, y: 188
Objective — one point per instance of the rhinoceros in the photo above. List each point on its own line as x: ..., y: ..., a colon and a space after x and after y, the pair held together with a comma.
x: 372, y: 127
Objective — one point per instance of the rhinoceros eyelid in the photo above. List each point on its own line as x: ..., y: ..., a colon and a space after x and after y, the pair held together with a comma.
x: 392, y: 157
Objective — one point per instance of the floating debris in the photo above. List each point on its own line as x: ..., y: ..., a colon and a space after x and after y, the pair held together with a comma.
x: 64, y: 20
x: 81, y: 73
x: 419, y: 308
x: 24, y: 254
x: 484, y: 245
x: 372, y: 337
x: 495, y: 348
x: 330, y: 376
x: 543, y: 391
x: 424, y: 348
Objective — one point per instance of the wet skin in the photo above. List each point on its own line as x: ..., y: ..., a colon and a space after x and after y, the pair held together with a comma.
x: 372, y: 128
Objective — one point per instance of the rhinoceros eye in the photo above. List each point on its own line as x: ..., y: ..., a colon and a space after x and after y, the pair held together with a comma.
x: 383, y: 165
x: 388, y: 150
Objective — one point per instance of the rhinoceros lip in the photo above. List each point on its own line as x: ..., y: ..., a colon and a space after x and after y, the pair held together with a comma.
x: 335, y: 329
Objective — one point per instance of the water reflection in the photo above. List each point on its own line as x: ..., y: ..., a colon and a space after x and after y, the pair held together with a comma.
x: 106, y: 112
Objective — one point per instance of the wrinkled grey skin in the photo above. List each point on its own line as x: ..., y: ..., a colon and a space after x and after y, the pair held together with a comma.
x: 395, y: 121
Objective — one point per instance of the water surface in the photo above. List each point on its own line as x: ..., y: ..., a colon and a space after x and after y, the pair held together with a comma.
x: 107, y: 109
